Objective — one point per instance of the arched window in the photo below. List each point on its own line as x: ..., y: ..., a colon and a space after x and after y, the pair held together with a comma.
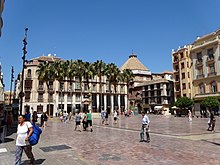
x: 29, y: 73
x: 201, y: 88
x: 213, y: 87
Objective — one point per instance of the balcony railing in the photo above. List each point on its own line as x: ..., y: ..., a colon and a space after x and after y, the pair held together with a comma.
x: 199, y: 62
x: 200, y: 76
x: 27, y: 88
x: 212, y: 74
x: 27, y: 99
x: 51, y: 89
x: 28, y: 76
x: 50, y: 100
x: 40, y: 99
x: 40, y: 88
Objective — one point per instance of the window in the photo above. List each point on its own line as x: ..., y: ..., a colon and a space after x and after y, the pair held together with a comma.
x: 184, y: 85
x: 51, y: 85
x: 210, y: 53
x: 188, y: 75
x: 29, y: 73
x: 77, y: 98
x: 177, y: 68
x: 199, y: 71
x: 189, y: 85
x: 201, y: 88
x: 211, y: 68
x: 177, y: 77
x: 199, y: 57
x: 78, y: 85
x: 183, y: 75
x: 86, y: 87
x: 181, y: 55
x: 61, y: 86
x: 94, y: 87
x: 184, y: 95
x: 213, y: 87
x: 187, y: 64
x: 122, y: 89
x: 182, y: 65
x: 70, y: 86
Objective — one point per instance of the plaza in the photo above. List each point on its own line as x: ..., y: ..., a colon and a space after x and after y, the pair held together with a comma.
x: 174, y: 140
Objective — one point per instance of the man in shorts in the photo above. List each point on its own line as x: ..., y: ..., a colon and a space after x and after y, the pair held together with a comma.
x: 78, y: 122
x: 145, y: 128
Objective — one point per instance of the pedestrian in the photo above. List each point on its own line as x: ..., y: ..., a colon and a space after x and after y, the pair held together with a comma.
x: 65, y: 114
x: 103, y: 117
x: 106, y: 117
x: 89, y: 120
x: 190, y: 115
x: 211, y: 123
x: 78, y: 121
x: 27, y: 115
x: 84, y: 121
x: 34, y: 117
x: 115, y: 115
x: 24, y: 131
x: 145, y: 128
x: 45, y: 118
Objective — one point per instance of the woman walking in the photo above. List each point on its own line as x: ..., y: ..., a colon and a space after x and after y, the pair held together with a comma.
x: 24, y: 131
x: 34, y: 117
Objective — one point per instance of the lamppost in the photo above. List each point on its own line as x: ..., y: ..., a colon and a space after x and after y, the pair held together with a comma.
x: 12, y: 79
x: 21, y: 94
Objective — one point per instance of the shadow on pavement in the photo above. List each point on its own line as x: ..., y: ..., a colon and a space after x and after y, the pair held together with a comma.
x: 218, y: 144
x: 37, y: 161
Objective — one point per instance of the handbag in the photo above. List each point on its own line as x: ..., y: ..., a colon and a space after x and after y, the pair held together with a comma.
x: 35, y: 136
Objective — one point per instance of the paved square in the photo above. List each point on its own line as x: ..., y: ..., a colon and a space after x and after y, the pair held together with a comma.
x: 174, y: 140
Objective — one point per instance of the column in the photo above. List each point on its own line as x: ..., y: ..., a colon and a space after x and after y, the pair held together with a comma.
x: 126, y: 102
x: 112, y: 103
x: 105, y: 102
x: 65, y: 102
x: 119, y: 103
x: 97, y: 96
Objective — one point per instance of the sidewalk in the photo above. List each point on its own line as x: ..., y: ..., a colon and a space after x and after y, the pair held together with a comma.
x: 174, y: 139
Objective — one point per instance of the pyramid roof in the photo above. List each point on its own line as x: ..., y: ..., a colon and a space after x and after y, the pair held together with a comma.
x: 133, y: 64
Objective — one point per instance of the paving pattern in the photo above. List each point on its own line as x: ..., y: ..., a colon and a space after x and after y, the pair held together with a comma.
x: 174, y: 141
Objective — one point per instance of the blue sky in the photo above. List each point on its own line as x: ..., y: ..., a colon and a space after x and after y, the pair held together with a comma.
x: 104, y: 29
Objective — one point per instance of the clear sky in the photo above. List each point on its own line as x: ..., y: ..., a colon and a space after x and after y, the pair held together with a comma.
x: 104, y: 29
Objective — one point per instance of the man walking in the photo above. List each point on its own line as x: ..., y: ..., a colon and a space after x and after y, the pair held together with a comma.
x: 145, y: 128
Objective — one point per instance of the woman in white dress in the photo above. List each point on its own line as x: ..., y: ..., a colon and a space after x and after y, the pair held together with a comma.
x: 24, y: 131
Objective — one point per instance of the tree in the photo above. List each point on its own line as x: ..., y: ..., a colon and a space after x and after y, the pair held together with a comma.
x: 183, y: 103
x: 113, y: 74
x: 127, y: 77
x: 46, y: 73
x: 210, y: 102
x: 100, y: 72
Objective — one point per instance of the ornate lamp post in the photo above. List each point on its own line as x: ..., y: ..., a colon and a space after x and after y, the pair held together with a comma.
x: 21, y: 94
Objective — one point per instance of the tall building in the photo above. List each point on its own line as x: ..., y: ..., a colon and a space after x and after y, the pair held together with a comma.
x: 1, y: 10
x: 141, y: 74
x: 66, y: 95
x: 182, y: 72
x: 158, y: 93
x: 205, y: 56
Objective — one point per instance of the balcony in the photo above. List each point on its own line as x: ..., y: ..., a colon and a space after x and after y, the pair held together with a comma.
x: 212, y: 74
x: 27, y: 88
x: 61, y: 99
x: 200, y: 76
x: 50, y: 99
x: 50, y: 90
x: 40, y: 88
x: 40, y: 99
x: 27, y: 99
x: 199, y: 62
x: 28, y: 76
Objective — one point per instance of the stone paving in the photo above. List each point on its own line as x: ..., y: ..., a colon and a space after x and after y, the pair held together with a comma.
x: 174, y: 141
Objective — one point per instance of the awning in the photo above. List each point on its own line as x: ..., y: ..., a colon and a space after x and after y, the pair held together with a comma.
x: 158, y: 108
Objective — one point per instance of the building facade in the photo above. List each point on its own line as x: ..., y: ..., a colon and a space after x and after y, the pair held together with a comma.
x: 7, y: 97
x: 182, y: 72
x: 66, y: 96
x: 205, y: 56
x: 158, y: 94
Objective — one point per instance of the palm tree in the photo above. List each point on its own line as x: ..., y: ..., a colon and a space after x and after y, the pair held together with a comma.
x: 113, y: 75
x: 127, y: 77
x: 100, y: 72
x: 79, y: 68
x: 46, y: 73
x: 61, y: 72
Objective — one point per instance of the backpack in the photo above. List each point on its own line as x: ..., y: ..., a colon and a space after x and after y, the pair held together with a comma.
x: 35, y: 136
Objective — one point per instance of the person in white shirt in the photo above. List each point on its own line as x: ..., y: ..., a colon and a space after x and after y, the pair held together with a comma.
x: 145, y: 128
x: 24, y: 131
x: 115, y: 115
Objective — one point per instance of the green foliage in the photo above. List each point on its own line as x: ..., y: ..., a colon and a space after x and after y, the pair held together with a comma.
x: 183, y: 102
x: 210, y: 102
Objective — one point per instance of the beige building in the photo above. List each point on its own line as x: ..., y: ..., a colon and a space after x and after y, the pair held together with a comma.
x: 141, y: 74
x: 182, y: 72
x: 1, y: 10
x: 205, y: 56
x: 7, y: 97
x: 66, y: 96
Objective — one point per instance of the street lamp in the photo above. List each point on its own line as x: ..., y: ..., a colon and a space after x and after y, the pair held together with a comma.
x: 12, y: 79
x: 21, y: 94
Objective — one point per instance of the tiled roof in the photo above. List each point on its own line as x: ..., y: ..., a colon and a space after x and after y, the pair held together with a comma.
x: 47, y: 58
x: 133, y: 64
x: 152, y: 82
